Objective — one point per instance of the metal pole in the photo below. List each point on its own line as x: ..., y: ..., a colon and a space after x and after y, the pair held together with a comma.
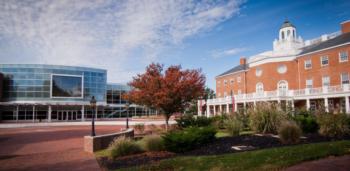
x: 93, y: 123
x: 127, y: 118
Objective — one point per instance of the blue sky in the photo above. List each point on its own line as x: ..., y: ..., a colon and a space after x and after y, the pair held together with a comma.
x: 125, y: 36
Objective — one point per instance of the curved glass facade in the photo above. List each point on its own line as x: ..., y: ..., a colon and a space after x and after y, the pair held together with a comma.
x: 33, y: 82
x: 115, y: 93
x: 49, y: 93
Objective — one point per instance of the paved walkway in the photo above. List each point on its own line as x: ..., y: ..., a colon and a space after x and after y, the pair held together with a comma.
x: 328, y: 164
x: 48, y: 148
x: 85, y: 123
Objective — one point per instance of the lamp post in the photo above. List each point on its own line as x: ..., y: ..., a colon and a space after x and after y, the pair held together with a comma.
x: 127, y: 114
x: 93, y: 105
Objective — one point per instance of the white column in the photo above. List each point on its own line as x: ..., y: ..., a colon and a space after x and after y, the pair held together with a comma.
x: 220, y: 108
x: 66, y: 115
x: 208, y: 110
x: 245, y: 107
x: 214, y: 110
x: 33, y: 113
x: 292, y: 101
x: 49, y: 114
x: 199, y: 111
x: 227, y: 108
x: 17, y: 109
x: 326, y: 104
x: 347, y: 105
x: 254, y: 104
x: 82, y: 113
x: 236, y: 107
x: 308, y: 104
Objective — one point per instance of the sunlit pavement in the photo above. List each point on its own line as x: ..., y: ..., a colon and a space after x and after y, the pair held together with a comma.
x: 48, y: 148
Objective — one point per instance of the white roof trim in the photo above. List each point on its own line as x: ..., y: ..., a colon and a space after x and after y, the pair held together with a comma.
x: 323, y: 49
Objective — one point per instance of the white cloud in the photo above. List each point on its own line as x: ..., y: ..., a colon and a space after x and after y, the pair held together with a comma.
x: 120, y: 36
x: 227, y: 52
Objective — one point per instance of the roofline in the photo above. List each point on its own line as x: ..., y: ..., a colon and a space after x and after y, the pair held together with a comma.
x: 345, y: 21
x: 344, y: 44
x: 54, y: 65
x: 231, y: 73
x: 272, y: 57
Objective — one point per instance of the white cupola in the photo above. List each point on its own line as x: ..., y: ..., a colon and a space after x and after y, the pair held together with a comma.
x: 288, y: 39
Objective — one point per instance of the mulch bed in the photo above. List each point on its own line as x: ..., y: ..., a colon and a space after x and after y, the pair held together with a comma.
x: 219, y: 146
x: 224, y: 145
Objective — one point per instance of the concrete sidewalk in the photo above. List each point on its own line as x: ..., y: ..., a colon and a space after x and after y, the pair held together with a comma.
x: 78, y: 123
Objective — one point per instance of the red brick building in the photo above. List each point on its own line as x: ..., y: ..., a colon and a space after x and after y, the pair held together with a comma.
x: 300, y: 73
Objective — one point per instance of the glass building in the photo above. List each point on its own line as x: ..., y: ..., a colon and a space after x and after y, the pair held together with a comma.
x: 33, y: 92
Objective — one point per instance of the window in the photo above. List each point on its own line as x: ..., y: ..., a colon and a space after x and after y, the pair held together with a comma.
x: 309, y: 83
x: 344, y: 77
x: 282, y: 35
x: 325, y: 81
x: 324, y: 60
x: 259, y: 88
x: 282, y: 69
x: 67, y: 86
x: 343, y: 56
x: 225, y: 94
x: 258, y: 72
x: 308, y: 64
x: 225, y: 82
x: 232, y: 81
x: 294, y: 33
x: 239, y: 79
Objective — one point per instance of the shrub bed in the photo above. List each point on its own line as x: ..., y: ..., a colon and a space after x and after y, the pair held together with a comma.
x: 152, y: 143
x: 266, y: 118
x: 123, y: 146
x: 188, y: 120
x: 307, y: 121
x: 233, y: 125
x: 188, y: 139
x: 289, y: 133
x: 333, y: 125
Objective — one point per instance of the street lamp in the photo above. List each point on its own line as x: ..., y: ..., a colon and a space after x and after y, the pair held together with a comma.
x: 127, y: 114
x: 93, y: 105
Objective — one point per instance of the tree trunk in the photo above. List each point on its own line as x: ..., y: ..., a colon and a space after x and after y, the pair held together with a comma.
x: 166, y: 123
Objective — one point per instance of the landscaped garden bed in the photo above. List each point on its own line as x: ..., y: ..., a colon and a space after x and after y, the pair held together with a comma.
x: 266, y: 129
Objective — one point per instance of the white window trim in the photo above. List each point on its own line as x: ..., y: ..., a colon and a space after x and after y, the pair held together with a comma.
x: 322, y: 65
x: 329, y: 81
x: 312, y: 83
x: 347, y: 59
x: 341, y: 78
x: 310, y: 64
x: 238, y: 79
x: 258, y: 86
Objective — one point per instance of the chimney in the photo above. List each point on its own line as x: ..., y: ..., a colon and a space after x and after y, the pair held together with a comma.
x: 242, y: 61
x: 345, y: 27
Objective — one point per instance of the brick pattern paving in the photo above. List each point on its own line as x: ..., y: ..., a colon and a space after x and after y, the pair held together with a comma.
x: 48, y: 148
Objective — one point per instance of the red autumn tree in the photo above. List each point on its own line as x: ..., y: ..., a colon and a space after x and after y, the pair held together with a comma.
x: 169, y: 91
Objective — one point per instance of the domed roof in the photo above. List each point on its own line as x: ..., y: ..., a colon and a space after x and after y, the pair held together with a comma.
x: 287, y: 24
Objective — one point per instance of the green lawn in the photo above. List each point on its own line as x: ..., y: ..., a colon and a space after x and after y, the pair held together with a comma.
x: 266, y: 159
